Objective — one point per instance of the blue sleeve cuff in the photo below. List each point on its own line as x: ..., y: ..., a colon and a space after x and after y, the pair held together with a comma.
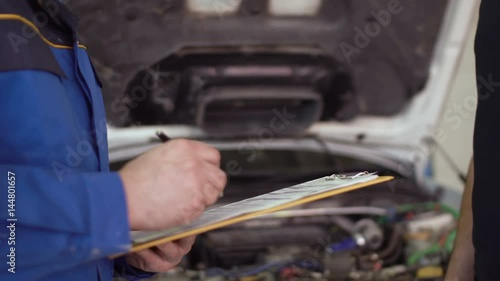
x: 109, y: 216
x: 125, y: 270
x: 110, y: 226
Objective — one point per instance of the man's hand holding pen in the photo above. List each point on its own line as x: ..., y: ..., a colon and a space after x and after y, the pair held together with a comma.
x: 170, y: 186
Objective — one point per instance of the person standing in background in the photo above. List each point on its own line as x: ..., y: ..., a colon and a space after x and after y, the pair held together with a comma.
x: 477, y: 247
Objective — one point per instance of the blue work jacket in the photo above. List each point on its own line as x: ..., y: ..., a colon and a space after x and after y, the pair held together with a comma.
x: 62, y: 212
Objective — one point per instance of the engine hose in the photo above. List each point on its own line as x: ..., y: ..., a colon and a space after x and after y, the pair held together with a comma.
x: 397, y: 254
x: 388, y: 252
x: 396, y: 235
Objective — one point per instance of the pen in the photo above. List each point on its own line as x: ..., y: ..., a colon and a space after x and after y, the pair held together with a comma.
x: 162, y: 136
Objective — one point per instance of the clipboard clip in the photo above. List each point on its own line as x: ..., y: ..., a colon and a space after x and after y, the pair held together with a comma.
x: 348, y: 176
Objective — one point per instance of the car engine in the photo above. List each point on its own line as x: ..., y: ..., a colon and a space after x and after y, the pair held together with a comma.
x: 391, y: 231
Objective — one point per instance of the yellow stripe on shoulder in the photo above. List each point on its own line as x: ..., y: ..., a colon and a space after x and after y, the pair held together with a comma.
x: 35, y: 28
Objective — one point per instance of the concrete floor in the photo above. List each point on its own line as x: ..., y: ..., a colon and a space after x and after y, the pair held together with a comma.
x: 458, y: 144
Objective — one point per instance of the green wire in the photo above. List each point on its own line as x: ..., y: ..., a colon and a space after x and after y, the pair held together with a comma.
x: 415, y: 257
x: 435, y: 248
x: 450, y: 210
x: 450, y: 241
x: 427, y: 205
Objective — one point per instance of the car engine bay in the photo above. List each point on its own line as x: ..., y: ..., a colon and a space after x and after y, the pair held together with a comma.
x: 391, y: 231
x: 409, y: 242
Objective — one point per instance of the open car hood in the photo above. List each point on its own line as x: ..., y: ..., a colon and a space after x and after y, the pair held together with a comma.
x: 365, y: 77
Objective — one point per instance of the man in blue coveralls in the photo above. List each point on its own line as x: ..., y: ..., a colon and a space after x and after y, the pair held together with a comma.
x: 62, y: 212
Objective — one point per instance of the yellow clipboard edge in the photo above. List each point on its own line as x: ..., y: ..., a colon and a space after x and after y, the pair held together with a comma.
x: 203, y: 229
